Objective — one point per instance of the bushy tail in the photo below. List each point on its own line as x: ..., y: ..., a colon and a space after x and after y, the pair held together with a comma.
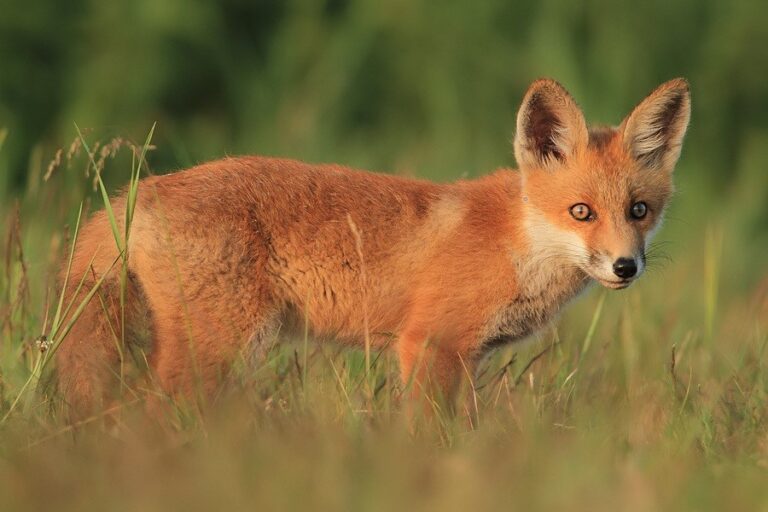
x: 89, y: 357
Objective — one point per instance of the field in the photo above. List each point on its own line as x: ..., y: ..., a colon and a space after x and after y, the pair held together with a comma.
x: 651, y: 398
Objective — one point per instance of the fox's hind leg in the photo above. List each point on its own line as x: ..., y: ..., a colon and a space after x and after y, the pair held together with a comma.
x: 196, y: 347
x: 208, y: 292
x: 88, y: 358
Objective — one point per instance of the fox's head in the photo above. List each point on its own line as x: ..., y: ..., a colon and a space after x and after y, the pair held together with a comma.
x: 594, y: 197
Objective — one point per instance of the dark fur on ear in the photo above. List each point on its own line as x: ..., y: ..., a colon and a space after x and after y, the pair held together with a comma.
x: 654, y: 130
x: 550, y: 126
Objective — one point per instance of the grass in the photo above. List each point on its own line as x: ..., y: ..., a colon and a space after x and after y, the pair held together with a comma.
x: 651, y: 398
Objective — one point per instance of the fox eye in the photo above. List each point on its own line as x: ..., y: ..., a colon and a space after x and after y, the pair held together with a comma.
x: 581, y: 212
x: 639, y: 210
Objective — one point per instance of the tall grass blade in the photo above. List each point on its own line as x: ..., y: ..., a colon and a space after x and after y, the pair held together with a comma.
x: 59, y: 306
x: 593, y: 325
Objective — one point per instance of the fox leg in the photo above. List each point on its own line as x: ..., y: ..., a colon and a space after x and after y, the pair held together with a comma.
x: 88, y: 356
x: 88, y: 359
x: 194, y: 352
x: 433, y: 370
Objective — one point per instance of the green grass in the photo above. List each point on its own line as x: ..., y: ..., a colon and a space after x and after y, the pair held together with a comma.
x: 651, y: 398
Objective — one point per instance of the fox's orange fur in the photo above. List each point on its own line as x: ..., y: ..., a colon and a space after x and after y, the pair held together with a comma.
x: 225, y: 254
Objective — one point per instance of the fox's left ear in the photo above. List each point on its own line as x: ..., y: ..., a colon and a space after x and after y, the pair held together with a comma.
x: 653, y: 132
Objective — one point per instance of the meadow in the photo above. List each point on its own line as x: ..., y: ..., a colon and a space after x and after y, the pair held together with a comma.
x: 652, y: 398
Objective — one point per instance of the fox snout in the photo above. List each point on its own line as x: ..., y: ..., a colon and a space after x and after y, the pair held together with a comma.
x: 616, y: 272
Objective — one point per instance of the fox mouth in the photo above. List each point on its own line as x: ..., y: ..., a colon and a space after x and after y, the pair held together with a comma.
x: 618, y: 284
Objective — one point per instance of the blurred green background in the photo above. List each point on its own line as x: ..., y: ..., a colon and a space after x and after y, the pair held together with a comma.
x: 430, y: 87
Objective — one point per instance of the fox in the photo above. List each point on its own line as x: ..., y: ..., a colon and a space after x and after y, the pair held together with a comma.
x: 228, y: 255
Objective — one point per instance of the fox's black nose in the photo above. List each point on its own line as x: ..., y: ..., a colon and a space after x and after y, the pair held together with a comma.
x: 625, y: 267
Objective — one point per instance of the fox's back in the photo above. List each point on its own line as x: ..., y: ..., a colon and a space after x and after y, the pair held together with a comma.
x: 310, y: 236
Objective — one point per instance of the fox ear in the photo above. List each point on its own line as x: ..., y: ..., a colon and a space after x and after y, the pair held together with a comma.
x: 550, y: 126
x: 653, y: 132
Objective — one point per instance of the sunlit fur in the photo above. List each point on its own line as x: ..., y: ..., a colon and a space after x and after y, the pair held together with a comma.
x: 224, y: 256
x: 609, y: 169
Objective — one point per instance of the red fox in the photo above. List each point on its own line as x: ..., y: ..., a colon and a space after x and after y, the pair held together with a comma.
x: 224, y: 255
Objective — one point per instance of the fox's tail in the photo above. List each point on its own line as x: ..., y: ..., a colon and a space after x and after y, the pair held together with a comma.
x: 89, y: 357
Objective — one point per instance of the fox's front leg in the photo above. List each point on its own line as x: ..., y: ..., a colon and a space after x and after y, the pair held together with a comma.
x: 432, y: 369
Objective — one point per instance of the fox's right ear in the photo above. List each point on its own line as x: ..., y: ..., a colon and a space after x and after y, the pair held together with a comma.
x: 550, y: 126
